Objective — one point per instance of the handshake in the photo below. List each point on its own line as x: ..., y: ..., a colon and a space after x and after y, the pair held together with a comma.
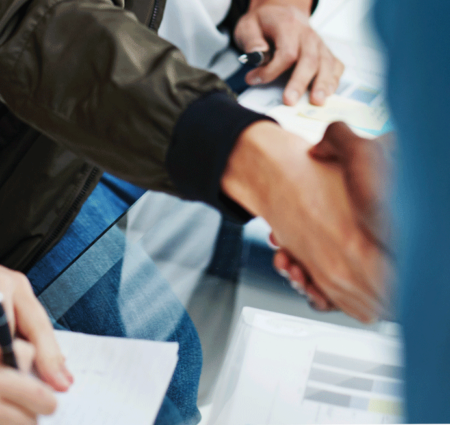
x: 328, y: 207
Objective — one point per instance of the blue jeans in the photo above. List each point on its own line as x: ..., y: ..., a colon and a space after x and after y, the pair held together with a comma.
x: 115, y: 289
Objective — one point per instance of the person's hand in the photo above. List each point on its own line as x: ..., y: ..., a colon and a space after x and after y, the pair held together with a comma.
x: 284, y: 24
x: 27, y: 316
x: 368, y: 170
x: 299, y: 279
x: 23, y: 397
x: 368, y: 166
x: 271, y: 173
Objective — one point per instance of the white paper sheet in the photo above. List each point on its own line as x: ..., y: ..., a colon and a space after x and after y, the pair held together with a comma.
x: 118, y: 381
x: 285, y: 370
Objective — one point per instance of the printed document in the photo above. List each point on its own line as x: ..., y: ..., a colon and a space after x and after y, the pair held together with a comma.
x: 286, y: 370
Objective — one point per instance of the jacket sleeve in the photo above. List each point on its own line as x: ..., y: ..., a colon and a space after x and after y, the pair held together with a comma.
x: 87, y: 74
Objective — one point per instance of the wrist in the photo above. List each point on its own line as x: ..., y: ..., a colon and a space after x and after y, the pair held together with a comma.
x: 261, y: 160
x: 303, y: 5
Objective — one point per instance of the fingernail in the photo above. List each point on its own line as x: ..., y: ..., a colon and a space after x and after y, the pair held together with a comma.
x: 294, y: 285
x: 67, y: 374
x: 257, y: 49
x: 319, y: 96
x: 255, y: 81
x: 283, y: 273
x: 272, y: 245
x: 293, y: 96
x: 300, y: 290
x: 62, y: 379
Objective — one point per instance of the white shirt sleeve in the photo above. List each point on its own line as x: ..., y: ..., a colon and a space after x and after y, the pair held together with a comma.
x: 191, y: 25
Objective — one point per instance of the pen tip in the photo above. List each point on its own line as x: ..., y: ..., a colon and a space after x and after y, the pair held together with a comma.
x: 243, y: 59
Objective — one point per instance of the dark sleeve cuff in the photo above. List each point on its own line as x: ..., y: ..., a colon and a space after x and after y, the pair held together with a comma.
x: 202, y: 141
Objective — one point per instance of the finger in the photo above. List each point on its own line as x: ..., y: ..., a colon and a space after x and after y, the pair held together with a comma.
x: 281, y: 263
x: 357, y: 306
x: 26, y: 391
x: 287, y: 48
x: 350, y: 295
x: 339, y: 143
x: 249, y: 36
x: 327, y: 78
x: 34, y: 324
x: 10, y: 414
x: 305, y: 70
x: 317, y: 298
x: 339, y: 69
x: 297, y: 278
x: 359, y: 312
x: 25, y: 353
x: 272, y: 242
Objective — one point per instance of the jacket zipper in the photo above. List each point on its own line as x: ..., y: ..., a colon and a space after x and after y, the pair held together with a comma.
x: 152, y: 23
x: 65, y: 219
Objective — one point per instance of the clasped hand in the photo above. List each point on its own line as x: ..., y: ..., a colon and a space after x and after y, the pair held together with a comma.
x: 367, y: 171
x: 324, y: 208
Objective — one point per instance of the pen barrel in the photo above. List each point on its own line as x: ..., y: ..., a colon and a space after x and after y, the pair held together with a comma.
x: 6, y: 343
x: 5, y: 334
x: 255, y: 58
x: 9, y: 359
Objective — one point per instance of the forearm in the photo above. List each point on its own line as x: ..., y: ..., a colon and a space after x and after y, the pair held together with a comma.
x: 259, y: 166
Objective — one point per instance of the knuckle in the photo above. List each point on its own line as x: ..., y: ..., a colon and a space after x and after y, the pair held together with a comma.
x: 17, y: 280
x: 46, y: 400
x: 340, y: 67
x: 24, y: 348
x: 290, y: 16
x: 311, y: 39
x: 311, y: 58
x: 289, y: 56
x: 335, y: 80
x: 354, y: 246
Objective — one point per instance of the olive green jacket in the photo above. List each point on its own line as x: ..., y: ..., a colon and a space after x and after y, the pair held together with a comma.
x: 93, y: 76
x: 88, y: 86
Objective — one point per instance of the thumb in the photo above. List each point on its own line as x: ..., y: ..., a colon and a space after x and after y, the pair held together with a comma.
x: 249, y: 36
x: 339, y: 143
x: 364, y: 165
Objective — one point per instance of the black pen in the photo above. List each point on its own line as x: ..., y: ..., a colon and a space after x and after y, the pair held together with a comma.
x: 256, y: 58
x: 6, y: 343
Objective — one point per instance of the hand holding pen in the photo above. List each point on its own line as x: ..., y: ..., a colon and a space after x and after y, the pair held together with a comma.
x: 296, y: 46
x: 26, y: 317
x: 22, y: 396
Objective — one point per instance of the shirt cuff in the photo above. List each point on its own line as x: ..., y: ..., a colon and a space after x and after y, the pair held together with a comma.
x: 203, y: 139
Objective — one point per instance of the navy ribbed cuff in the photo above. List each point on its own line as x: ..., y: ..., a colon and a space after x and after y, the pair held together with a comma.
x: 202, y: 141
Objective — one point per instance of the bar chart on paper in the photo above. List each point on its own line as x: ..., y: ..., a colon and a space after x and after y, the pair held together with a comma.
x: 338, y: 382
x: 287, y: 370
